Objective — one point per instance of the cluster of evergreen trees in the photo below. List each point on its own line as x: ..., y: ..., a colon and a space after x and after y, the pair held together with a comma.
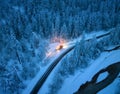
x: 68, y: 18
x: 24, y: 24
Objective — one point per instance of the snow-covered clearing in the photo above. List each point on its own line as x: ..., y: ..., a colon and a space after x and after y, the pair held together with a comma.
x: 73, y: 82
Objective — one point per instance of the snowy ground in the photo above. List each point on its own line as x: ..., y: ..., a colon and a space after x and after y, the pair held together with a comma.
x: 72, y: 83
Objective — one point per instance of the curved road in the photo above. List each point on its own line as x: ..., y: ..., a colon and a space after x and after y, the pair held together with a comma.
x: 48, y: 71
x: 51, y: 67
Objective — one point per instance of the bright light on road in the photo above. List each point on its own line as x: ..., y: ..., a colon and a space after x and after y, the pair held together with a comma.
x: 61, y: 46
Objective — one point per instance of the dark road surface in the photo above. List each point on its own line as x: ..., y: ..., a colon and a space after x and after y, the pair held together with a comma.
x: 48, y: 71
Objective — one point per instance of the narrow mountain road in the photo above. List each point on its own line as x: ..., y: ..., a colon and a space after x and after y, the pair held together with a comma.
x: 55, y: 62
x: 48, y: 71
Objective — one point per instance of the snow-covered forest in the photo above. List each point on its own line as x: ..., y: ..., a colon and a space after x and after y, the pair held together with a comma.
x: 27, y: 28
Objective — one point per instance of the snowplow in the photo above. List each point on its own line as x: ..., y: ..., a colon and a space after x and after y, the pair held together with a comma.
x: 59, y: 47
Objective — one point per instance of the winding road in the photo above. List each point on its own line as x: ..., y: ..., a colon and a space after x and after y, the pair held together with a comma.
x: 48, y: 71
x: 41, y: 81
